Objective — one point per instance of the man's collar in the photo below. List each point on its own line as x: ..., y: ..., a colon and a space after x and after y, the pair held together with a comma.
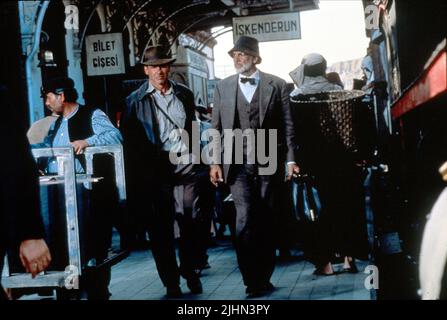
x: 151, y: 88
x: 255, y: 75
x: 72, y: 113
x: 142, y: 91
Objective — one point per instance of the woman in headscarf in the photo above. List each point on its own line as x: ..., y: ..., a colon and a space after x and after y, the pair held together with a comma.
x: 310, y: 76
x: 340, y: 227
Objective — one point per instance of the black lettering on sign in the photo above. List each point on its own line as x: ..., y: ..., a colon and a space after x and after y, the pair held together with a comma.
x: 102, y: 62
x: 240, y: 29
x: 294, y: 25
x: 267, y: 27
x: 247, y: 29
x: 280, y: 26
x: 254, y: 29
x: 101, y: 46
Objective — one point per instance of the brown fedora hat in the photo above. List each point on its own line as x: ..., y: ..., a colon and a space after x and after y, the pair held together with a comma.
x: 157, y: 56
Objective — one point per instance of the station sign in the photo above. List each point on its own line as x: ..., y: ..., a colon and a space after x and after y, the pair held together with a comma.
x: 105, y: 54
x: 270, y: 27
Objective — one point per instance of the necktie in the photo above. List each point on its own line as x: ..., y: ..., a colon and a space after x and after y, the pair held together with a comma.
x: 251, y: 81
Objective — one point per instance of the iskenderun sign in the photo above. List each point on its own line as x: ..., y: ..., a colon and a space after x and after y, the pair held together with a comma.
x: 270, y: 27
x: 105, y: 54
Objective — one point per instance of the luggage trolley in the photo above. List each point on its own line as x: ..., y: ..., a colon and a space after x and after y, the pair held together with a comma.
x: 67, y: 177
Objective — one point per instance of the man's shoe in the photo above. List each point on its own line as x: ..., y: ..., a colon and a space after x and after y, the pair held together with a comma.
x: 250, y: 290
x: 269, y: 287
x: 194, y: 285
x: 284, y: 255
x: 173, y: 292
x: 198, y: 272
x: 205, y: 266
x: 259, y: 290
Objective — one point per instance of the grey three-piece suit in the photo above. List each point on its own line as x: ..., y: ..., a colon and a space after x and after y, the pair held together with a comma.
x: 255, y: 195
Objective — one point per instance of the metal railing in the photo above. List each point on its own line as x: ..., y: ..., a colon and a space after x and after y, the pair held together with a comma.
x: 67, y: 177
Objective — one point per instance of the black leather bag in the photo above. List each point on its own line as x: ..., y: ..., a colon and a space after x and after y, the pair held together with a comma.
x: 307, y: 204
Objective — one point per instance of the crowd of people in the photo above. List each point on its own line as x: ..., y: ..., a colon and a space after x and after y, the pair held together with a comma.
x: 161, y: 193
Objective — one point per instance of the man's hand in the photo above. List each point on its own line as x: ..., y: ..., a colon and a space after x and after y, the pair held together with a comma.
x: 216, y: 174
x: 79, y: 146
x: 292, y: 170
x: 35, y: 256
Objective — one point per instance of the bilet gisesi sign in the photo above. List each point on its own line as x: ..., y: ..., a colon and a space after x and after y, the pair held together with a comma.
x: 270, y: 27
x: 105, y: 54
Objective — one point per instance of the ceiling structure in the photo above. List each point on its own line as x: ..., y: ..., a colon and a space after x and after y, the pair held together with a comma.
x: 162, y: 21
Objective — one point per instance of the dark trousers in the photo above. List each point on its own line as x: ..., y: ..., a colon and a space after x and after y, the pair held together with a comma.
x: 253, y: 197
x: 176, y: 198
x: 342, y: 223
x: 161, y: 233
x: 194, y: 209
x: 95, y: 208
x: 2, y: 294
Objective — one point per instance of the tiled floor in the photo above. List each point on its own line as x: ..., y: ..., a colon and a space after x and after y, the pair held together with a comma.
x: 136, y: 278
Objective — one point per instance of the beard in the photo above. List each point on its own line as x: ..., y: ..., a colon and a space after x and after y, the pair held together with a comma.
x: 245, y: 67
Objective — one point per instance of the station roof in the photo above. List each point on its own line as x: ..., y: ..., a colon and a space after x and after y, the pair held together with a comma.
x: 221, y: 12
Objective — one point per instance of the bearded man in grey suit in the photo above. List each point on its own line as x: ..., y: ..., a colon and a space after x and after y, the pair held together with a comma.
x: 253, y: 101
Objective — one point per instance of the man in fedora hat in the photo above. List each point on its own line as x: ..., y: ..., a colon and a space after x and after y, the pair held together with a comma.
x: 161, y: 192
x: 252, y: 100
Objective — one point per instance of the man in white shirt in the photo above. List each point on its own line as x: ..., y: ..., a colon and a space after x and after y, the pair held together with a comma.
x: 254, y: 100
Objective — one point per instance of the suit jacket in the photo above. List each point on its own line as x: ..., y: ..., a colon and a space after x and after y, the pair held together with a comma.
x: 274, y: 113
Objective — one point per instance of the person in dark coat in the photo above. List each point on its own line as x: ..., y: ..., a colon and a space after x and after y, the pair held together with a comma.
x: 160, y: 190
x: 21, y: 223
x: 341, y: 226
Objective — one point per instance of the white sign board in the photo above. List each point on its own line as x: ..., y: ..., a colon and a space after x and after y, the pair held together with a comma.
x: 271, y: 27
x: 105, y: 54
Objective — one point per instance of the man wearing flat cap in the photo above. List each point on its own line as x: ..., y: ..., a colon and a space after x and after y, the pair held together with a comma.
x: 79, y: 127
x: 161, y: 191
x: 252, y: 100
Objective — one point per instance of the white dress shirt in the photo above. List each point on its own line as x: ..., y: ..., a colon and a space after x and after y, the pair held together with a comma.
x: 248, y: 89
